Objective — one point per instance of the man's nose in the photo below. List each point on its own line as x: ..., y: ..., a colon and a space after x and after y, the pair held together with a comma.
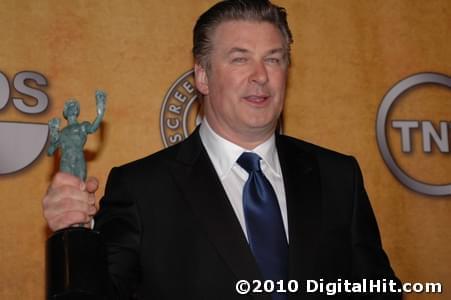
x: 259, y: 74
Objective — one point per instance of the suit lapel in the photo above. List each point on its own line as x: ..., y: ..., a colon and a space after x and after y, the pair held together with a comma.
x: 204, y: 192
x: 303, y: 193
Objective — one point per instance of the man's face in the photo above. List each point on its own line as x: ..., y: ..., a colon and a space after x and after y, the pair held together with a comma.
x: 246, y: 81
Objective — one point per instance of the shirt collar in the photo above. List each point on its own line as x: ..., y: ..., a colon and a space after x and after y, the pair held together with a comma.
x: 224, y: 153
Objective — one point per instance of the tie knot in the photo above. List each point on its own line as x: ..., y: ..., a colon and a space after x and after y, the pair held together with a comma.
x: 249, y: 161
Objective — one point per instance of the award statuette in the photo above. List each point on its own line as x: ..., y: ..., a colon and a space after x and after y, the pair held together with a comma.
x: 76, y: 267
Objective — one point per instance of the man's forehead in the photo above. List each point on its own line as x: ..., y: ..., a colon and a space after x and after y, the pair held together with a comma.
x: 240, y: 32
x: 245, y: 25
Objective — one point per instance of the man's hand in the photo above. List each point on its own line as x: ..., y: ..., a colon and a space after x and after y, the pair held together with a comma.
x: 70, y: 201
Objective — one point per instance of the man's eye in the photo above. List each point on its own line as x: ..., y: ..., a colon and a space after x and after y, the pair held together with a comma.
x: 239, y: 60
x: 273, y: 60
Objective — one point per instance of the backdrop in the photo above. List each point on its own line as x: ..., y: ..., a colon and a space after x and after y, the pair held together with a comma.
x: 347, y: 55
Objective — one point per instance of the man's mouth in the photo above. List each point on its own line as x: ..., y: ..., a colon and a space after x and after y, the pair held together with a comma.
x: 257, y: 99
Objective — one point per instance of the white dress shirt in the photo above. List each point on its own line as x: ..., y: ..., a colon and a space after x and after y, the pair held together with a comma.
x: 224, y: 155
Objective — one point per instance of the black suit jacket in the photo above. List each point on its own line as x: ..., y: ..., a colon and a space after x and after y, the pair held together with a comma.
x: 171, y: 233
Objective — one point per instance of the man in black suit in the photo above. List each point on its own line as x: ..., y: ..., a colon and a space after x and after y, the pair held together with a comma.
x: 236, y: 200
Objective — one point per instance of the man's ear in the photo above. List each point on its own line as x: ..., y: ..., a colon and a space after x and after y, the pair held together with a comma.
x: 201, y: 79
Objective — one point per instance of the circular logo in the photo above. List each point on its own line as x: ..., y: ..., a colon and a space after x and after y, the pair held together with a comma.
x: 180, y: 113
x: 22, y: 143
x: 389, y: 99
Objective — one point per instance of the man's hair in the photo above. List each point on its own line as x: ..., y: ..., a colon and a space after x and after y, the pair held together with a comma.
x: 236, y: 10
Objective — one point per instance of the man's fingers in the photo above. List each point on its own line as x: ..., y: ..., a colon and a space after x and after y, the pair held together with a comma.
x: 65, y: 205
x: 91, y: 199
x: 62, y: 179
x: 70, y: 201
x: 92, y: 184
x: 68, y: 198
x: 68, y: 213
x: 55, y: 195
x: 68, y: 219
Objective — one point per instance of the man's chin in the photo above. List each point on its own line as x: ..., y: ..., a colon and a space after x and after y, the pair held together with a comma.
x: 261, y: 127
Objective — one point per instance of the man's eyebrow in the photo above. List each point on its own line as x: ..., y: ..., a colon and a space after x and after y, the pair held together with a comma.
x: 233, y: 50
x: 237, y: 49
x: 277, y: 50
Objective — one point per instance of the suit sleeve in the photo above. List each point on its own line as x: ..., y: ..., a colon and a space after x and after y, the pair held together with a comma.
x: 120, y: 227
x: 369, y: 260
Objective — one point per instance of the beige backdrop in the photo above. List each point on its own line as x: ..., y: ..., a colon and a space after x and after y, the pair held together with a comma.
x: 347, y: 54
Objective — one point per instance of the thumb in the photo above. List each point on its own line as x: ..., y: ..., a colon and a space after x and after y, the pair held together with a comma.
x: 92, y: 184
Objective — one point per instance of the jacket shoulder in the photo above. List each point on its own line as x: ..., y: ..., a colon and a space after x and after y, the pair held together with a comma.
x: 153, y: 163
x: 328, y: 161
x: 318, y: 151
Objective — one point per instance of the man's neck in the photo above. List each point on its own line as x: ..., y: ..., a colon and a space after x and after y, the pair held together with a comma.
x: 246, y: 140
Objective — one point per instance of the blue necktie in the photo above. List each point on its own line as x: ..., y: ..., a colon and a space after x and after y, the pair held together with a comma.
x: 264, y: 224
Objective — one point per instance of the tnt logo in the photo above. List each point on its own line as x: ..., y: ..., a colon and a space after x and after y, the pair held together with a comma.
x: 416, y: 147
x: 21, y: 143
x: 428, y: 132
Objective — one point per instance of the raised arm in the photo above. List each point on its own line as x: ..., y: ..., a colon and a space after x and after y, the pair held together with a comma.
x: 54, y: 125
x: 100, y: 101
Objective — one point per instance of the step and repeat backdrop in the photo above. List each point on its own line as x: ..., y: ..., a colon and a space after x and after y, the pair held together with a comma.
x: 368, y: 78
